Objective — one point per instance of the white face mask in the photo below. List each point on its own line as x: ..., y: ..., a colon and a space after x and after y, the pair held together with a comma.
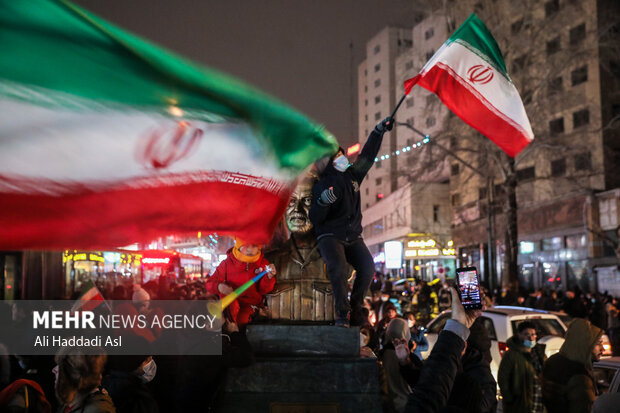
x: 384, y: 298
x: 411, y: 323
x: 402, y: 351
x: 150, y: 369
x: 341, y: 163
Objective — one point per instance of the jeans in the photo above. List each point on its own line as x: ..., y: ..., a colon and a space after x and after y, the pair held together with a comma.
x: 337, y: 254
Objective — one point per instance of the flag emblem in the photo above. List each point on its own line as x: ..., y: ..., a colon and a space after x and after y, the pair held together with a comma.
x: 480, y: 74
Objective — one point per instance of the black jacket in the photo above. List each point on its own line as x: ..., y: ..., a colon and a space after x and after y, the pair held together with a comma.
x: 343, y: 218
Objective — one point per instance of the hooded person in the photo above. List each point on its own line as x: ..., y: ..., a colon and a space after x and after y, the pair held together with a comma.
x: 243, y: 262
x: 568, y: 382
x: 336, y: 214
x: 396, y: 356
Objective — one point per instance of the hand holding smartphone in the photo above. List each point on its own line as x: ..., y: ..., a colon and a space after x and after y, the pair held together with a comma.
x: 468, y: 287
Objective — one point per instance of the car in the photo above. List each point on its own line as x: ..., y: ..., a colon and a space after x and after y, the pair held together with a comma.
x: 502, y: 322
x: 398, y: 286
x: 606, y: 372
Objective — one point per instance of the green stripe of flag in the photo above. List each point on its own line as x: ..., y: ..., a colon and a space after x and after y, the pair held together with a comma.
x: 474, y: 33
x: 58, y: 46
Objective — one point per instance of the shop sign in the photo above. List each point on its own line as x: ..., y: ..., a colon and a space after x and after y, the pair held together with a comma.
x: 393, y: 254
x: 421, y: 243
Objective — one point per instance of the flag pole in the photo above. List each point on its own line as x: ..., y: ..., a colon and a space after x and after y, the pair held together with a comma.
x: 409, y: 84
x: 400, y: 102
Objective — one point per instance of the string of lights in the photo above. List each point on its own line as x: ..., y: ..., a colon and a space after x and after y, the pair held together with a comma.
x: 417, y: 145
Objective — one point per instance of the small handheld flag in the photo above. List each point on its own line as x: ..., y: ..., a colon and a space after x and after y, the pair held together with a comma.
x: 469, y: 75
x: 226, y: 301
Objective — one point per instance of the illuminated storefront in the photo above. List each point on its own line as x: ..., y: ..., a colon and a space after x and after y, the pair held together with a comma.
x: 430, y: 258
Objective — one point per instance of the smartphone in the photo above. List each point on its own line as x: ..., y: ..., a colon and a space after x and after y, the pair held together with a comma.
x: 468, y: 285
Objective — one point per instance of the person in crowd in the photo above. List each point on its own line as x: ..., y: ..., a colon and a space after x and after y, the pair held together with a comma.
x: 337, y: 219
x: 390, y: 314
x: 432, y: 391
x: 519, y: 373
x: 575, y: 305
x: 243, y: 262
x: 613, y: 321
x: 445, y: 299
x: 366, y: 341
x: 78, y: 382
x: 418, y: 339
x: 568, y: 383
x: 396, y: 353
x: 476, y: 366
x: 127, y: 383
x: 24, y: 396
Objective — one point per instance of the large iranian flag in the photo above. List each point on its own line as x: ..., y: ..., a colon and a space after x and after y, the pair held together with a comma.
x: 469, y: 75
x: 107, y: 139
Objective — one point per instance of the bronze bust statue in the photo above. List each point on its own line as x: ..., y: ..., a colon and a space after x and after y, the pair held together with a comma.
x: 302, y: 291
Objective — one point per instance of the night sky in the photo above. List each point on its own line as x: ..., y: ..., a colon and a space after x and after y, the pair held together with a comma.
x: 296, y: 50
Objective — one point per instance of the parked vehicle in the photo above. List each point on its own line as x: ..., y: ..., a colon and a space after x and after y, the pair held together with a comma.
x: 607, y: 374
x: 502, y: 322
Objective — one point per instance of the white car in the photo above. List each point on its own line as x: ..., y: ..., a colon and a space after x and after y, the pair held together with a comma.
x: 502, y: 321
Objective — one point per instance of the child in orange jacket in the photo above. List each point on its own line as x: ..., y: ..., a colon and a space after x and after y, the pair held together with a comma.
x: 244, y: 262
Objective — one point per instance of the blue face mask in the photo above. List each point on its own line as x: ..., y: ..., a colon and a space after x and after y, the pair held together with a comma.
x: 529, y: 344
x: 341, y: 163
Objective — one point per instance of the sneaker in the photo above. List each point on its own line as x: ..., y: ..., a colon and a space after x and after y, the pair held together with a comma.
x: 342, y: 322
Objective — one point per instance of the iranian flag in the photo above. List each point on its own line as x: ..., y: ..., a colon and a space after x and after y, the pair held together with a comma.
x: 107, y: 139
x: 89, y: 299
x: 469, y: 75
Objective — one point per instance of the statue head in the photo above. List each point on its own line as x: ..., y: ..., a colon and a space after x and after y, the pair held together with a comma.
x: 296, y: 215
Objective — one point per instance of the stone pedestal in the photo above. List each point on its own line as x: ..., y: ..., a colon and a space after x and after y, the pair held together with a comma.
x: 304, y: 368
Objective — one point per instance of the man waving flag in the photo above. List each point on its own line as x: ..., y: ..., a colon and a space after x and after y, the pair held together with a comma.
x: 107, y: 139
x: 469, y: 75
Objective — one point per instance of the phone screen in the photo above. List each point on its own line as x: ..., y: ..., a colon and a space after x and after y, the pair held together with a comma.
x: 469, y: 287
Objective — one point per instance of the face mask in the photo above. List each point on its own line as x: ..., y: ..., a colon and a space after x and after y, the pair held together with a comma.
x: 341, y: 163
x: 402, y: 351
x: 363, y: 340
x: 150, y: 369
x: 384, y: 298
x: 529, y: 344
x: 411, y: 323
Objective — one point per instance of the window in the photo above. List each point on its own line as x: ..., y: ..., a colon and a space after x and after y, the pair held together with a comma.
x: 456, y: 199
x: 454, y: 142
x: 430, y: 54
x: 555, y: 86
x: 576, y: 241
x: 367, y: 191
x: 435, y: 213
x: 556, y: 126
x: 526, y: 174
x: 552, y: 7
x: 411, y: 121
x: 430, y: 99
x: 410, y: 102
x: 365, y: 72
x: 365, y: 102
x: 367, y: 205
x: 553, y: 46
x: 377, y: 98
x: 454, y: 169
x: 583, y: 161
x: 429, y: 33
x: 409, y: 65
x: 558, y: 167
x: 516, y: 27
x: 409, y: 142
x: 378, y: 116
x: 430, y: 121
x: 407, y: 42
x: 377, y: 67
x: 365, y: 88
x: 552, y: 244
x: 581, y: 118
x: 482, y: 193
x: 577, y: 34
x: 518, y: 64
x: 378, y: 164
x: 378, y: 181
x: 366, y: 118
x: 579, y: 76
x: 377, y: 48
x: 377, y: 82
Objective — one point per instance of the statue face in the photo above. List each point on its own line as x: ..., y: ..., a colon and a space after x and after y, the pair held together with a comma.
x: 296, y: 214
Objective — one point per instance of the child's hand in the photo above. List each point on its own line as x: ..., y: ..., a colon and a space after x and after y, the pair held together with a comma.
x: 272, y: 270
x: 224, y: 288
